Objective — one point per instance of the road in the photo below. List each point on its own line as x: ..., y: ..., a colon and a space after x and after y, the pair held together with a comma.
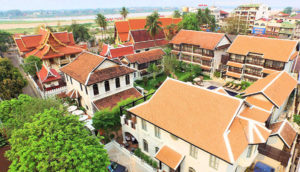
x: 29, y: 89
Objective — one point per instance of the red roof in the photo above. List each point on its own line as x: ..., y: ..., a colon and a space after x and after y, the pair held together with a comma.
x: 223, y: 12
x: 121, y: 51
x: 46, y: 75
x: 104, y: 50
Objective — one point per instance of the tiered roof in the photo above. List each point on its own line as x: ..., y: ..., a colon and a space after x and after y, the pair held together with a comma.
x: 46, y: 75
x: 123, y: 27
x: 47, y: 45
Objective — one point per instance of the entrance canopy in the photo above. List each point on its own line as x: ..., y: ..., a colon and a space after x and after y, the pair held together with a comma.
x: 169, y: 157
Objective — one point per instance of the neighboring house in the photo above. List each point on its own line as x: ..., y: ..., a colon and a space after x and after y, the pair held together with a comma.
x: 286, y: 30
x: 97, y: 82
x: 200, y: 129
x: 251, y: 58
x: 251, y: 12
x: 49, y: 82
x: 271, y: 93
x: 143, y: 41
x: 273, y: 27
x: 55, y: 49
x: 196, y: 129
x: 122, y: 28
x: 201, y: 48
x: 260, y: 26
x: 141, y: 61
x: 297, y: 32
x: 116, y: 52
x: 294, y: 19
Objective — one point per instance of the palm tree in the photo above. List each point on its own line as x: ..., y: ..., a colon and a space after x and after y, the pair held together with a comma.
x: 153, y: 25
x: 176, y: 14
x: 101, y: 21
x: 124, y: 12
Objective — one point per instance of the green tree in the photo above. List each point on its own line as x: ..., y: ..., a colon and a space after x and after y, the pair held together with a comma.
x: 104, y: 119
x: 171, y: 30
x: 153, y: 69
x: 124, y: 12
x: 234, y: 26
x: 169, y: 63
x: 32, y: 64
x: 101, y: 21
x: 80, y: 32
x: 190, y: 22
x: 205, y: 18
x: 11, y: 80
x: 288, y: 10
x: 54, y: 141
x: 176, y: 14
x: 153, y: 25
x: 5, y: 41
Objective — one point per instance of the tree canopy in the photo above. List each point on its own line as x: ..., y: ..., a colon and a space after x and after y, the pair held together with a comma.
x: 11, y: 80
x: 5, y: 40
x: 101, y: 21
x: 32, y: 64
x: 44, y: 137
x: 80, y: 32
x: 153, y: 25
x: 234, y: 26
x: 124, y: 12
x: 190, y: 22
x: 288, y: 10
x: 176, y: 14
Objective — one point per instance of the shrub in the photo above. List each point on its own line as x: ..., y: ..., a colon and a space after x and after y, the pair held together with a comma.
x: 2, y: 141
x: 187, y: 77
x: 145, y: 80
x: 138, y: 152
x: 154, y: 164
x: 111, y: 136
x: 217, y: 74
x: 297, y: 119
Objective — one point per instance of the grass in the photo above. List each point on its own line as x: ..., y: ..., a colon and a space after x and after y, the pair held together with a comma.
x: 151, y: 84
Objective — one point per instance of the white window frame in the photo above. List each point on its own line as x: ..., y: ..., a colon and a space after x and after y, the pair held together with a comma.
x: 144, y: 125
x: 193, y: 151
x: 157, y: 132
x: 214, y: 162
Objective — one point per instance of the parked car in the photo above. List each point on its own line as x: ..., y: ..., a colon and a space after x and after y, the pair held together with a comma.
x: 115, y: 167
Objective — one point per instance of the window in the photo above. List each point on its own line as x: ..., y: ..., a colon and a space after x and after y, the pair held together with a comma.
x: 157, y: 132
x: 156, y: 149
x: 86, y: 91
x: 86, y: 107
x: 193, y: 151
x: 249, y: 152
x: 134, y: 74
x: 133, y: 65
x: 95, y: 89
x: 145, y: 144
x: 106, y: 84
x: 63, y: 57
x: 191, y: 169
x: 137, y: 51
x: 117, y: 82
x: 80, y: 86
x: 73, y: 55
x: 213, y: 162
x: 127, y: 79
x: 144, y: 125
x: 71, y: 80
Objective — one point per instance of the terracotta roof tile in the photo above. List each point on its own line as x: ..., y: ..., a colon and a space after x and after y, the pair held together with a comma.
x: 123, y: 36
x: 238, y: 65
x: 294, y: 55
x: 21, y: 46
x: 31, y: 41
x: 284, y: 130
x: 45, y: 75
x: 265, y: 104
x: 269, y: 71
x: 255, y: 114
x: 143, y: 45
x: 80, y: 68
x: 232, y: 74
x: 62, y: 36
x: 273, y: 49
x: 143, y: 35
x: 100, y: 75
x: 112, y: 101
x: 206, y: 40
x: 121, y: 51
x: 187, y: 109
x: 105, y: 50
x: 146, y: 56
x: 135, y: 24
x: 169, y: 157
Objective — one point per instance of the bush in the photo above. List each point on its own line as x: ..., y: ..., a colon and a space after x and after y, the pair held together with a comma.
x: 145, y: 80
x: 188, y: 77
x: 111, y: 136
x: 217, y: 74
x: 2, y: 141
x: 154, y: 164
x: 297, y: 119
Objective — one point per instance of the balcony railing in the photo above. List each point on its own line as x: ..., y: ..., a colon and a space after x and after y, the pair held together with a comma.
x: 234, y: 70
x: 255, y: 63
x: 259, y: 74
x: 186, y: 58
x: 237, y: 60
x: 274, y: 67
x: 274, y: 153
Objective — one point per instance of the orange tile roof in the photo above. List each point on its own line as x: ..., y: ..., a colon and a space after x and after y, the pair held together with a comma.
x: 187, y: 109
x: 31, y: 41
x: 221, y: 90
x: 21, y: 46
x: 206, y: 40
x: 81, y: 67
x: 121, y: 51
x: 269, y: 71
x: 273, y: 49
x: 135, y: 24
x: 169, y: 157
x: 238, y: 65
x: 45, y: 75
x: 265, y: 104
x: 285, y: 131
x: 146, y: 56
x: 277, y: 87
x: 294, y: 55
x: 232, y: 74
x: 255, y: 114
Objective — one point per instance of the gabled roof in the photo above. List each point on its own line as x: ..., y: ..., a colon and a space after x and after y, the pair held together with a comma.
x: 256, y: 114
x: 48, y: 75
x: 193, y: 114
x: 272, y: 49
x: 206, y: 40
x: 146, y: 56
x: 276, y: 87
x: 285, y: 131
x: 169, y: 157
x: 111, y: 52
x: 143, y: 35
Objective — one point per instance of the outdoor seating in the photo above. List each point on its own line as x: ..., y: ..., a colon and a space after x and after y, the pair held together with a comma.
x: 230, y: 84
x: 226, y: 84
x: 233, y: 86
x: 238, y: 88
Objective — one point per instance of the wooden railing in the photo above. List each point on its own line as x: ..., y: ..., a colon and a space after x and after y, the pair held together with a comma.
x: 274, y: 153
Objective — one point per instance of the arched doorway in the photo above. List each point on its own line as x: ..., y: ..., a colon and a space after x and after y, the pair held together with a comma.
x: 131, y: 143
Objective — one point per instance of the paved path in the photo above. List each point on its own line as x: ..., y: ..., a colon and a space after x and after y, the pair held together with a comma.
x: 29, y: 89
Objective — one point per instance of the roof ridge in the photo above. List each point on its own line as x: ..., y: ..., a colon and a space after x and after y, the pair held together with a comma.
x: 251, y: 36
x: 273, y: 80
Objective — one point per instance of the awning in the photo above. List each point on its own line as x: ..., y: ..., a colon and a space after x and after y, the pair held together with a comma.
x: 205, y: 68
x: 169, y: 157
x: 269, y: 71
x: 233, y: 64
x: 232, y: 74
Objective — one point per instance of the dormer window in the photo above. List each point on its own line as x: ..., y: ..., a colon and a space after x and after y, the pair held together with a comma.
x: 106, y: 84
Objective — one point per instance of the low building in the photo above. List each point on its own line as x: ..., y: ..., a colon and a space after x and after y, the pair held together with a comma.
x: 294, y: 19
x: 143, y: 41
x: 97, y: 82
x: 286, y: 30
x: 203, y: 130
x: 259, y: 27
x: 201, y: 48
x: 54, y: 49
x: 141, y: 61
x: 251, y: 58
x: 273, y: 27
x: 297, y: 32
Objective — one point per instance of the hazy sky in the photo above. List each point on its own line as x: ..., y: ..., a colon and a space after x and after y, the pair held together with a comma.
x: 81, y: 4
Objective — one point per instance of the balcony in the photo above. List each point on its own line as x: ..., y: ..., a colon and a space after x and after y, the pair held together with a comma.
x: 255, y: 63
x: 234, y: 70
x: 186, y: 58
x: 197, y: 60
x: 237, y: 60
x: 279, y: 68
x: 257, y: 74
x: 274, y: 153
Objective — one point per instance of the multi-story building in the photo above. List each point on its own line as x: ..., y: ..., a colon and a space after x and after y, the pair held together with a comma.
x: 286, y: 30
x: 251, y: 12
x: 251, y: 58
x: 54, y: 49
x: 201, y: 48
x: 273, y: 27
x: 141, y: 61
x: 205, y: 130
x: 296, y: 34
x: 97, y: 82
x: 260, y: 26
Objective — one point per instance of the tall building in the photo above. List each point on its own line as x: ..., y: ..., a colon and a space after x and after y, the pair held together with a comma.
x: 251, y: 12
